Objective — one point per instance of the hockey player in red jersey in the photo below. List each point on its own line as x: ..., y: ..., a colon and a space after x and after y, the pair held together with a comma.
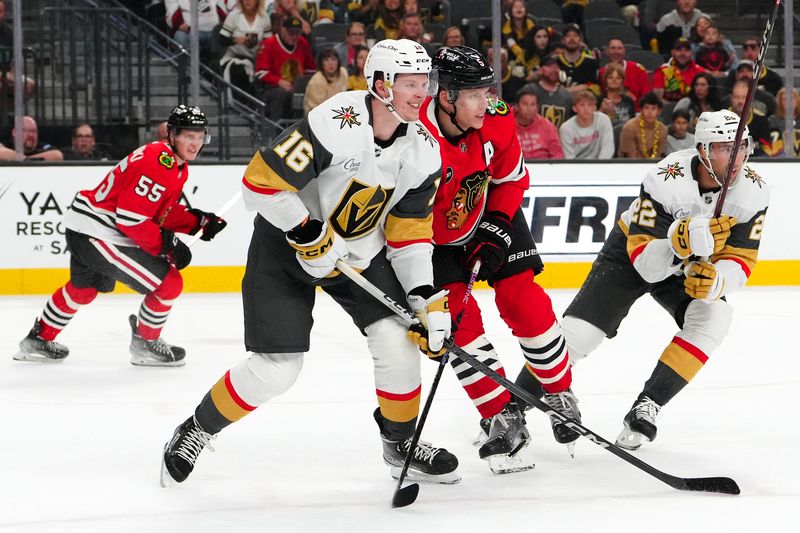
x: 477, y: 216
x: 124, y: 230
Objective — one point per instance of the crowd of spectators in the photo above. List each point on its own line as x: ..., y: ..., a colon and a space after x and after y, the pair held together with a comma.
x: 294, y: 54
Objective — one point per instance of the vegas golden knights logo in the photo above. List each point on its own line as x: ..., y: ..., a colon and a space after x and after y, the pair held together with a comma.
x: 359, y: 209
x: 555, y: 114
x: 466, y: 198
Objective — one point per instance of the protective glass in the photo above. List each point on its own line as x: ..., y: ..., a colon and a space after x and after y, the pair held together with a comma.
x: 187, y: 136
x: 414, y: 84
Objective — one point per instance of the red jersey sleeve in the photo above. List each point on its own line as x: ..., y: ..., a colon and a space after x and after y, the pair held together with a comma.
x: 510, y: 177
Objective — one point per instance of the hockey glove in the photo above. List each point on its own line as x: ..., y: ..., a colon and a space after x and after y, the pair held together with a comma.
x: 489, y: 244
x: 175, y: 250
x: 209, y: 223
x: 318, y: 248
x: 429, y: 304
x: 703, y: 281
x: 700, y: 236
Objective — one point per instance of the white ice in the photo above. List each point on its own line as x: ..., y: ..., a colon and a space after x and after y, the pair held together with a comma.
x: 80, y: 441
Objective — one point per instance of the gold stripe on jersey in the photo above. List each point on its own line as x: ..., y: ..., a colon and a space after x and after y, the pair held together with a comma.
x: 259, y: 174
x: 399, y: 410
x: 400, y: 229
x: 681, y: 361
x: 747, y: 256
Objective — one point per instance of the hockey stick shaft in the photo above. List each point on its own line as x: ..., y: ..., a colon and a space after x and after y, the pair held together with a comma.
x: 748, y: 102
x: 406, y: 496
x: 219, y: 212
x: 709, y: 484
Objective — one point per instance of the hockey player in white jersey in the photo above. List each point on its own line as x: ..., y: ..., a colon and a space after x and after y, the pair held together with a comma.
x: 354, y: 180
x: 668, y: 244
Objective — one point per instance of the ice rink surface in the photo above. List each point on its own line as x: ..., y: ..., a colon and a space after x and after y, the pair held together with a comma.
x: 81, y: 440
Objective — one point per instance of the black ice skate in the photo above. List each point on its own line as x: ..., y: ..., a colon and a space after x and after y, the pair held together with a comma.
x: 640, y: 424
x: 153, y: 353
x: 505, y: 446
x: 35, y: 348
x: 567, y: 405
x: 429, y: 463
x: 181, y: 452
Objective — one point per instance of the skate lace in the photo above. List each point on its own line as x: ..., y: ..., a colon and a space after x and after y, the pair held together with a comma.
x: 193, y: 443
x: 563, y: 402
x: 646, y: 409
x: 161, y: 347
x: 425, y: 451
x: 56, y: 347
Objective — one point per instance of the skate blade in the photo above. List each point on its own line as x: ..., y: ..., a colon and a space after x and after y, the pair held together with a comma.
x: 151, y: 362
x: 631, y: 440
x: 35, y: 357
x: 520, y: 461
x: 165, y: 480
x: 413, y: 475
x: 571, y: 449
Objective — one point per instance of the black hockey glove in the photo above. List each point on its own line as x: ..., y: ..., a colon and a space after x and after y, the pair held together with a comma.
x: 209, y: 223
x: 175, y: 250
x: 489, y: 244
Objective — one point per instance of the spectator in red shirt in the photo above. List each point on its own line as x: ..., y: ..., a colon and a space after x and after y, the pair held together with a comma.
x: 637, y: 81
x: 673, y: 79
x: 538, y: 137
x: 282, y: 59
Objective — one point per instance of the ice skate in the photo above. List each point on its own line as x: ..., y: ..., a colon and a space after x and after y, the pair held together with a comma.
x: 640, y: 424
x: 429, y: 463
x: 483, y: 433
x: 153, y: 353
x: 506, y: 444
x: 566, y: 404
x: 181, y: 452
x: 35, y: 348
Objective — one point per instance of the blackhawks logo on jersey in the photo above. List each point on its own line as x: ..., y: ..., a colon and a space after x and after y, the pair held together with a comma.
x: 753, y: 176
x: 166, y: 159
x: 348, y: 116
x: 359, y: 209
x: 673, y: 170
x: 466, y: 198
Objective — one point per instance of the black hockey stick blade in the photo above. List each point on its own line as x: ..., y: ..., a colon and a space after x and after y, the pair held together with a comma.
x: 723, y: 485
x: 405, y: 496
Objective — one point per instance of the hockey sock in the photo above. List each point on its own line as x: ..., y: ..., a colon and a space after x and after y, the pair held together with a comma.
x: 488, y: 396
x: 61, y: 307
x: 156, y: 306
x: 678, y: 364
x: 547, y: 358
x: 244, y: 387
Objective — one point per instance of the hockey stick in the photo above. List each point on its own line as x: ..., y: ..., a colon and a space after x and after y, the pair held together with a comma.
x: 221, y: 211
x: 722, y: 485
x: 404, y: 496
x: 751, y: 92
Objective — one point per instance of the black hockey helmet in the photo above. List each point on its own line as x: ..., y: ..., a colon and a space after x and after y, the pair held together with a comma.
x: 462, y: 67
x: 183, y: 117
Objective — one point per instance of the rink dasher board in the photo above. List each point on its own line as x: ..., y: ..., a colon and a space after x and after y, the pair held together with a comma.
x: 570, y: 207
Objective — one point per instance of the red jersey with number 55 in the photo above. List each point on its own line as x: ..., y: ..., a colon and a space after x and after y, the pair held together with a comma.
x: 135, y: 200
x: 482, y: 171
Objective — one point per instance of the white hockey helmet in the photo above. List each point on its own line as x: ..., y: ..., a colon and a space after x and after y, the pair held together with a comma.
x: 391, y: 57
x: 719, y: 127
